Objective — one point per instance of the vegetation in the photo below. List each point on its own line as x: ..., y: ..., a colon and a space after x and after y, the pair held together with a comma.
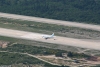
x: 32, y: 49
x: 73, y: 55
x: 11, y: 58
x: 42, y: 51
x: 16, y: 58
x: 77, y: 55
x: 70, y: 10
x: 58, y: 54
x: 96, y: 66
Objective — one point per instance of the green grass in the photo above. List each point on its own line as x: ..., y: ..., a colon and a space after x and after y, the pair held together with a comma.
x: 32, y: 49
x: 12, y: 58
x: 16, y: 58
x: 8, y: 39
x: 96, y: 66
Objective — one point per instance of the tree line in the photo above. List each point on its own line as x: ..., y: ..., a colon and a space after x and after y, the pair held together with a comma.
x: 70, y: 10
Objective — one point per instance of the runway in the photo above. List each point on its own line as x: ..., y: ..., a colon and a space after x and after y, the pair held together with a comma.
x: 51, y: 21
x: 58, y: 39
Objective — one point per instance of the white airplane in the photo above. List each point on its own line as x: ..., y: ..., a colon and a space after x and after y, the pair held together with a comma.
x: 48, y: 36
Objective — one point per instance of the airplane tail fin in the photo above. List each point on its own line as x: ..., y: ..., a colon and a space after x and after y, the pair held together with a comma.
x: 52, y: 35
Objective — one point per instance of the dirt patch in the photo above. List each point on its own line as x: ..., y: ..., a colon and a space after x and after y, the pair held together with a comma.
x: 3, y: 44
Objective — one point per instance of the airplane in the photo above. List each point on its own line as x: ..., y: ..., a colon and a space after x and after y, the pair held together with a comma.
x: 48, y: 36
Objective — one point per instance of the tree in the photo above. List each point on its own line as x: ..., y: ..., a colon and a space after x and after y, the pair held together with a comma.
x: 70, y: 54
x: 58, y: 54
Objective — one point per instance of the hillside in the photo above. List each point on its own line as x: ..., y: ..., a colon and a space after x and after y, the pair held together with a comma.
x: 70, y: 10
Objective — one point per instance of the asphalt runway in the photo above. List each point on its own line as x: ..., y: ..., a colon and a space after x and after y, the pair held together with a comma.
x: 58, y: 39
x: 51, y: 21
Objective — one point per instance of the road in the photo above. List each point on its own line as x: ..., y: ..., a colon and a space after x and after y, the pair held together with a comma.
x: 51, y: 21
x: 58, y: 39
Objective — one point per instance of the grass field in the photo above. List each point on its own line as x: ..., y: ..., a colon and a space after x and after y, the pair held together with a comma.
x: 18, y: 60
x: 12, y: 58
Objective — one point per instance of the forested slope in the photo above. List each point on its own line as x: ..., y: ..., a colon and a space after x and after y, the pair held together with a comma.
x: 70, y: 10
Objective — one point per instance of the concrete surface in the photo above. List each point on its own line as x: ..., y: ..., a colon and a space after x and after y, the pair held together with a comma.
x: 58, y: 40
